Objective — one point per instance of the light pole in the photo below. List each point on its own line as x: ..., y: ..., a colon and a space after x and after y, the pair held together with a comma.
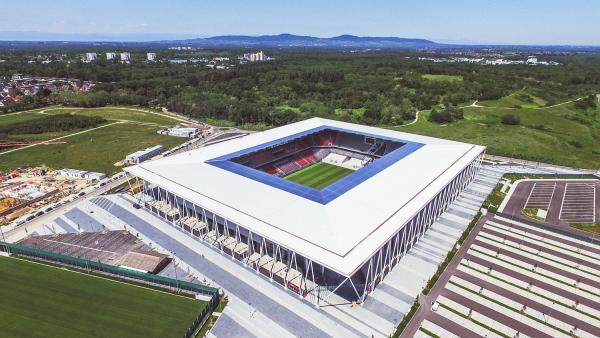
x: 4, y: 240
x: 175, y: 268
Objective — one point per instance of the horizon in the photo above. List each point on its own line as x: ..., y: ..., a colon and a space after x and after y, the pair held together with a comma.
x: 537, y: 23
x: 34, y: 36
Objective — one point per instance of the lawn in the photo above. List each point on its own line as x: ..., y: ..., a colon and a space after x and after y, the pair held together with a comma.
x: 441, y: 77
x: 592, y: 228
x: 44, y: 301
x: 521, y: 99
x: 96, y: 150
x: 117, y: 113
x: 12, y: 118
x: 318, y: 175
x: 559, y: 135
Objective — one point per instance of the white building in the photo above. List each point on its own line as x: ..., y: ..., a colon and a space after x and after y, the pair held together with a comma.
x: 90, y: 57
x: 151, y: 56
x: 142, y: 155
x: 82, y: 174
x: 341, y: 238
x: 125, y: 56
x: 111, y: 56
x: 180, y: 132
x: 253, y: 57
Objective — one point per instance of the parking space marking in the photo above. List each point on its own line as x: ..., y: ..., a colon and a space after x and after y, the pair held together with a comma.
x: 579, y: 203
x: 540, y: 195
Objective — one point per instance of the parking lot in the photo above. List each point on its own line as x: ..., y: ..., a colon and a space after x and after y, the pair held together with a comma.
x: 566, y: 201
x: 512, y: 279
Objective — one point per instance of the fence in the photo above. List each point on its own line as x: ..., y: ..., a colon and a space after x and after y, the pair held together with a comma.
x: 94, y: 266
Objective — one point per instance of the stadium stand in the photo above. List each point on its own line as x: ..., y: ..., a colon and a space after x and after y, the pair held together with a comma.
x: 352, y: 151
x: 118, y: 248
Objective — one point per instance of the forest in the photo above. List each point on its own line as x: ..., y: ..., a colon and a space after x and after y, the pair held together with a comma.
x: 376, y: 88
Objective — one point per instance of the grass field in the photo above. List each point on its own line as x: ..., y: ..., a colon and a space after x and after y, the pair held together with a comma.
x: 318, y: 175
x: 44, y: 301
x: 96, y: 150
x: 109, y: 113
x: 117, y: 113
x: 442, y: 77
x: 559, y: 135
x: 521, y: 99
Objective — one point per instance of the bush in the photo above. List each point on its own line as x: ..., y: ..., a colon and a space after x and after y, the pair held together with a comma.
x: 446, y: 115
x: 511, y: 120
x: 440, y: 116
x: 576, y: 144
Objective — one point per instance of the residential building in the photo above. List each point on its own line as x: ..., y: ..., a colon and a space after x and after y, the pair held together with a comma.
x: 253, y: 57
x: 125, y: 57
x: 89, y: 57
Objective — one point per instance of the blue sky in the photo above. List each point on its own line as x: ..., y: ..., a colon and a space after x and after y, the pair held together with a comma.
x: 488, y: 21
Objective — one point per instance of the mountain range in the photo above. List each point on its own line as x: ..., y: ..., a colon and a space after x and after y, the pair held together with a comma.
x: 281, y: 40
x: 290, y: 40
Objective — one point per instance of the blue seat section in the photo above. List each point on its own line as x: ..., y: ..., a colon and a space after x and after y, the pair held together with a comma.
x: 332, y: 191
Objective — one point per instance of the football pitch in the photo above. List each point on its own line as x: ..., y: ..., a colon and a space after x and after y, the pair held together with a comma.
x: 318, y: 175
x: 44, y: 301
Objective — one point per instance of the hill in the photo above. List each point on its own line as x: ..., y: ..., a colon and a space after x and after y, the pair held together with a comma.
x: 290, y: 40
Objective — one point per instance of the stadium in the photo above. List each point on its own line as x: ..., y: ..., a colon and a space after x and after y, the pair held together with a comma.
x: 318, y: 206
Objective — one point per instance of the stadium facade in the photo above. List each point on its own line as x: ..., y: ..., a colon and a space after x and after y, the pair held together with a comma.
x: 337, y: 231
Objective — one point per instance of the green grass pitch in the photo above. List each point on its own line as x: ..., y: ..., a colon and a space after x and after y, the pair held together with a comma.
x: 43, y: 301
x: 318, y: 175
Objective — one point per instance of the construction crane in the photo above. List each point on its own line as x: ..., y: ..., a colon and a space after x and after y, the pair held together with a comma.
x: 7, y: 144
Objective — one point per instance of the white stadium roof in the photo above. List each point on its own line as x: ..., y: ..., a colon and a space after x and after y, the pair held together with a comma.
x: 341, y: 234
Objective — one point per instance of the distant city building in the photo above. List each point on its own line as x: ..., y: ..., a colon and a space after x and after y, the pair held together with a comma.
x: 111, y: 56
x: 125, y: 57
x: 142, y: 155
x: 89, y: 57
x: 253, y: 57
x: 151, y: 56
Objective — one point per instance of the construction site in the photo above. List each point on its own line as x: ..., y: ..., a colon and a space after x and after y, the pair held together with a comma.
x: 27, y: 192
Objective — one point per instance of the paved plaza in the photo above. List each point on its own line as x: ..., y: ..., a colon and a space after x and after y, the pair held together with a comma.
x: 259, y: 307
x: 517, y: 280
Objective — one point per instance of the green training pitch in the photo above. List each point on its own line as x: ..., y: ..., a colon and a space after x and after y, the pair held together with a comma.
x: 318, y: 175
x: 44, y: 301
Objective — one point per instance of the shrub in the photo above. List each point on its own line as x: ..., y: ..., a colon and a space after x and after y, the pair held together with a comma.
x: 576, y: 144
x: 440, y: 116
x: 511, y: 120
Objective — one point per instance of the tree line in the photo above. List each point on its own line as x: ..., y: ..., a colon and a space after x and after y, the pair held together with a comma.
x: 384, y: 87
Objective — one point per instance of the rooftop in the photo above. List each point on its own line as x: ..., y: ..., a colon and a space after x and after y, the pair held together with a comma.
x: 341, y: 233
